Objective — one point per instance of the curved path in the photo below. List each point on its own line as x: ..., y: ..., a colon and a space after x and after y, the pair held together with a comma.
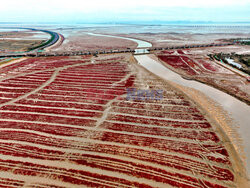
x: 53, y: 40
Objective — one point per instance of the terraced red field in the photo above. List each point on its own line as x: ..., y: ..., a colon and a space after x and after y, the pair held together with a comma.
x: 65, y: 122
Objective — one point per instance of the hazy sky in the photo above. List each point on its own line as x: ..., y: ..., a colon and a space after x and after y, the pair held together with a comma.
x: 119, y: 11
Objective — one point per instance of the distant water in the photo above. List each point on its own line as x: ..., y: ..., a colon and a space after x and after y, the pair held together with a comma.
x: 178, y: 29
x: 37, y: 34
x: 2, y: 29
x: 126, y: 29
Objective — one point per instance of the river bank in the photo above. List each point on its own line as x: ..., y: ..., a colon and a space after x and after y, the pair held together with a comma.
x: 236, y: 109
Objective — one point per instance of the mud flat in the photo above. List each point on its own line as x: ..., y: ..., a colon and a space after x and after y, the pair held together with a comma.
x: 83, y: 41
x: 238, y: 110
x: 141, y: 43
x: 172, y: 38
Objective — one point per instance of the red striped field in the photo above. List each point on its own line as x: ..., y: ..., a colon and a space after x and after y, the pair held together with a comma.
x: 65, y: 122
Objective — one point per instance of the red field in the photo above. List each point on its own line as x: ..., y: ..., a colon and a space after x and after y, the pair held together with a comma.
x: 65, y: 122
x: 201, y: 68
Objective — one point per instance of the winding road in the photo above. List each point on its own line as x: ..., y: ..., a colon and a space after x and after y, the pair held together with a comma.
x: 53, y: 40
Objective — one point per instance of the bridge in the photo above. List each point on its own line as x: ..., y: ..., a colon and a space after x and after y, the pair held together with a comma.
x: 96, y: 52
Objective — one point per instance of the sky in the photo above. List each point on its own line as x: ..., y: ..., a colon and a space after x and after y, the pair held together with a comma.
x: 117, y: 11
